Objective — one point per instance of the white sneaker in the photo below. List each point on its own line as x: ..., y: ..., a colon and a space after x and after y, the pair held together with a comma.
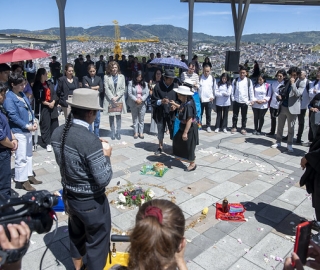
x: 289, y: 147
x: 276, y: 145
x: 216, y: 130
x: 225, y: 130
x: 49, y: 148
x: 208, y: 129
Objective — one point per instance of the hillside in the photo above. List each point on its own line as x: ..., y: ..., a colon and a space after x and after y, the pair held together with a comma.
x: 170, y: 32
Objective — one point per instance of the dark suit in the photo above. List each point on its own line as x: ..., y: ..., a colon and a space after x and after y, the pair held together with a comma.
x: 103, y: 68
x: 87, y: 82
x: 63, y: 90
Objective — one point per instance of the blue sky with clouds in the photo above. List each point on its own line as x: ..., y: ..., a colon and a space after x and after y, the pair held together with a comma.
x: 213, y: 19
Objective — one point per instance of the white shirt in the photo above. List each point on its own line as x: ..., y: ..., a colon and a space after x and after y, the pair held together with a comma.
x: 314, y: 89
x: 305, y: 100
x: 240, y: 93
x: 274, y: 91
x: 223, y: 94
x: 261, y: 93
x: 207, y: 88
x: 194, y: 77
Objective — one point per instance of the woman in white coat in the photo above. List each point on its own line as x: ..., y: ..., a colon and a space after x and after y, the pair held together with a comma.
x: 114, y: 84
x: 138, y: 93
x: 260, y: 104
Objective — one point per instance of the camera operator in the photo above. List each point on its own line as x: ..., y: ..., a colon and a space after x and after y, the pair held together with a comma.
x: 289, y: 96
x: 313, y: 252
x: 19, y: 239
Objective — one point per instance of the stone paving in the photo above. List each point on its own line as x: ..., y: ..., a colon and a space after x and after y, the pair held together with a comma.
x: 242, y: 168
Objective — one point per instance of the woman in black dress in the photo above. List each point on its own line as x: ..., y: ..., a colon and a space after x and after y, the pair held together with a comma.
x: 186, y: 139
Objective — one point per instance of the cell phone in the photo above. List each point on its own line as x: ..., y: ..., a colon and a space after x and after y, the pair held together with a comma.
x: 301, y: 245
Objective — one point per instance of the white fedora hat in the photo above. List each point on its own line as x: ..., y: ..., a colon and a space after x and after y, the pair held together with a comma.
x: 183, y: 90
x: 85, y: 98
x: 188, y: 82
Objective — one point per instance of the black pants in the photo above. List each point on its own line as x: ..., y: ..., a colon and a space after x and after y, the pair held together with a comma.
x: 89, y: 228
x: 310, y: 133
x: 258, y: 118
x: 5, y: 172
x: 111, y: 121
x: 273, y: 120
x: 244, y: 110
x: 301, y: 117
x: 47, y: 125
x: 206, y: 106
x: 161, y: 126
x: 222, y: 117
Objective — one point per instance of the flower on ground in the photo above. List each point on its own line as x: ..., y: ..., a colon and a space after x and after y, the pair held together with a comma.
x: 122, y: 198
x: 142, y: 196
x: 151, y: 193
x: 133, y: 197
x: 125, y: 193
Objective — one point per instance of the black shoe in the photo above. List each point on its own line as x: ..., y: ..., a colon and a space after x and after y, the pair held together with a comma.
x: 135, y: 136
x: 299, y: 140
x: 193, y: 169
x: 158, y: 152
x: 113, y: 136
x: 118, y: 136
x: 285, y: 138
x: 270, y: 134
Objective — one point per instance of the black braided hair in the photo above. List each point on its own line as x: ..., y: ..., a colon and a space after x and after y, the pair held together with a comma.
x: 67, y: 126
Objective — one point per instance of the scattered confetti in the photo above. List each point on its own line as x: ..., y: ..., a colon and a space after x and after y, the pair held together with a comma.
x: 32, y: 242
x: 260, y: 229
x: 239, y: 240
x: 188, y: 240
x: 266, y: 260
x: 246, y: 250
x: 279, y: 259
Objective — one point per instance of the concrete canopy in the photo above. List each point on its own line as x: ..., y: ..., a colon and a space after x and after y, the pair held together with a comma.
x: 269, y: 2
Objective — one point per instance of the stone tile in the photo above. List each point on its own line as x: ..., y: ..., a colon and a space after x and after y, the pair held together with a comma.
x: 177, y: 197
x: 305, y: 209
x: 294, y: 196
x: 270, y: 245
x: 192, y: 251
x: 210, y: 158
x: 208, y: 259
x: 244, y: 264
x: 222, y: 176
x: 118, y: 159
x: 270, y: 152
x: 239, y: 197
x: 232, y: 245
x: 196, y: 204
x: 174, y: 184
x: 223, y: 190
x: 193, y: 266
x: 238, y: 140
x: 191, y: 177
x: 252, y: 231
x: 199, y: 186
x: 57, y: 251
x: 244, y: 178
x: 276, y: 211
x: 214, y: 235
x: 190, y: 234
x: 227, y: 226
x: 126, y: 220
x: 255, y: 188
x: 40, y: 172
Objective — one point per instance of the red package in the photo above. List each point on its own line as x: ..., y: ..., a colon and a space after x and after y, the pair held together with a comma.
x: 230, y: 216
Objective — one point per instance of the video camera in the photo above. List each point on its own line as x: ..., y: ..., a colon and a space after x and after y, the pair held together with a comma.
x: 36, y: 211
x: 283, y: 90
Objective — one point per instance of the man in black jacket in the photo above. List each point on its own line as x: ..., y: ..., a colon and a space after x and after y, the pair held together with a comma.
x: 101, y: 67
x: 163, y: 113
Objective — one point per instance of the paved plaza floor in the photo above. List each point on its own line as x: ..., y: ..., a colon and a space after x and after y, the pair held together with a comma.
x: 242, y: 168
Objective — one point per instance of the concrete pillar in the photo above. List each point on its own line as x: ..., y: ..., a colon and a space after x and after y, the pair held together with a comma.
x: 61, y: 6
x: 190, y: 30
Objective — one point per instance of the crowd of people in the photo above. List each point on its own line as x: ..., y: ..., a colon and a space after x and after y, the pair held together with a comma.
x: 178, y: 105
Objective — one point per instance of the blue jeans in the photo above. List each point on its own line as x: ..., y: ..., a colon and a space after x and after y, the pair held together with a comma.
x: 5, y: 173
x: 96, y: 125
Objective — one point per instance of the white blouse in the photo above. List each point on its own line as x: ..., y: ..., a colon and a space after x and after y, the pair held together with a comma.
x: 314, y: 89
x: 261, y: 93
x: 222, y: 95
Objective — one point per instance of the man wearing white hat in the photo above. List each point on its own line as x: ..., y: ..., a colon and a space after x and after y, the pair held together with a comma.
x: 85, y: 168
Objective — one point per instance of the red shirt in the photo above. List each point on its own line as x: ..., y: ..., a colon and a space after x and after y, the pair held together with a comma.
x: 47, y: 92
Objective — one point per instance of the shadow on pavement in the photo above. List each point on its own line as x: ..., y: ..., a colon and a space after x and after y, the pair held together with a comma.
x: 282, y: 220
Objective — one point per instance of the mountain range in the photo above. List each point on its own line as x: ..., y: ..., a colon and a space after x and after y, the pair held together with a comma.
x: 170, y: 32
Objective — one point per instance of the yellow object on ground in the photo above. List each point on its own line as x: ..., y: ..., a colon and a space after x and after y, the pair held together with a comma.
x: 205, y: 211
x: 121, y: 258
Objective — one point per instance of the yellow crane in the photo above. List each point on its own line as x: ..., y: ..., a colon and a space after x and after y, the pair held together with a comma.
x: 118, y: 40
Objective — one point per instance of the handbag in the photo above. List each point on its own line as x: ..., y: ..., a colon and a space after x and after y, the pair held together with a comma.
x: 115, y: 107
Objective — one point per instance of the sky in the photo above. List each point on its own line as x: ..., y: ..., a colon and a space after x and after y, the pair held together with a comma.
x: 209, y: 18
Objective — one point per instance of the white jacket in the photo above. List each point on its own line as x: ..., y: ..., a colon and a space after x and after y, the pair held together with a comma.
x: 222, y: 95
x: 261, y: 93
x: 274, y: 91
x: 207, y: 88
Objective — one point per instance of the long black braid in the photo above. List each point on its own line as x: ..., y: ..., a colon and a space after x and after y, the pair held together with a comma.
x: 65, y: 132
